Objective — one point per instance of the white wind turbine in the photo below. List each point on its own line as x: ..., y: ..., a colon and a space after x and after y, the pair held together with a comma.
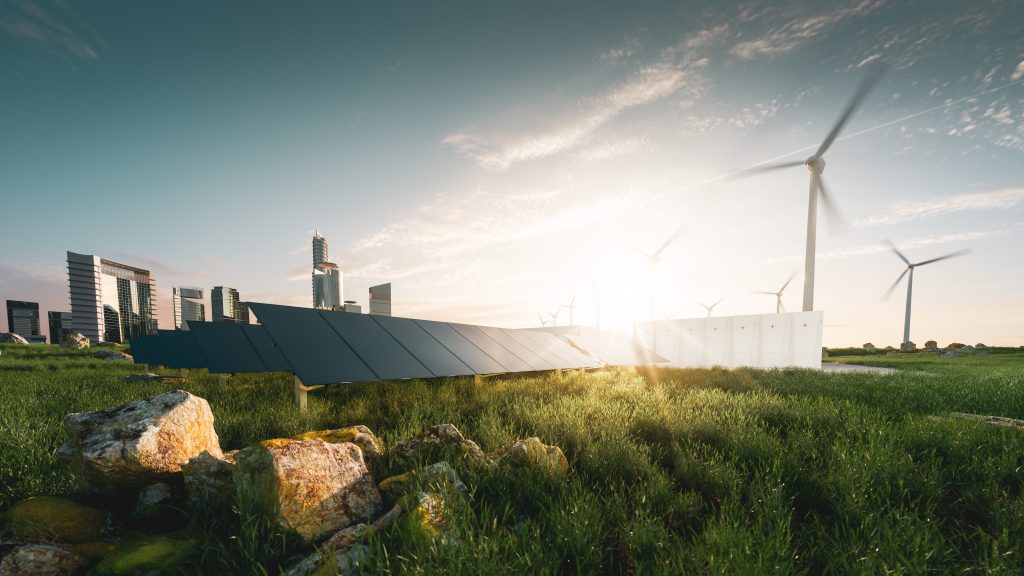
x: 543, y: 322
x: 653, y: 258
x: 712, y: 307
x: 779, y: 307
x: 910, y: 280
x: 816, y: 165
x: 554, y: 316
x: 571, y: 306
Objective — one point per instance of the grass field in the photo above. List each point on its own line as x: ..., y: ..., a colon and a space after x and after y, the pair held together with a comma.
x: 673, y: 471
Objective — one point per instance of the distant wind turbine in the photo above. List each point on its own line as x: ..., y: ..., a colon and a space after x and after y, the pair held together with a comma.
x: 779, y: 307
x: 653, y: 258
x: 571, y: 306
x: 554, y: 316
x: 910, y: 280
x: 816, y: 165
x: 543, y: 322
x: 712, y: 307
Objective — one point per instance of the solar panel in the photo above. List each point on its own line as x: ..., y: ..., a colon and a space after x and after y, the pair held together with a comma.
x: 462, y: 348
x: 615, y: 350
x: 317, y: 354
x: 525, y: 353
x: 226, y: 348
x: 388, y: 359
x: 146, y: 350
x: 556, y: 348
x: 438, y: 359
x: 264, y: 346
x: 180, y: 349
x: 508, y: 360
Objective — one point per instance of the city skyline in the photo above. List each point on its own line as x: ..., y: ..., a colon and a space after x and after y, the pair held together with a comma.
x: 494, y: 184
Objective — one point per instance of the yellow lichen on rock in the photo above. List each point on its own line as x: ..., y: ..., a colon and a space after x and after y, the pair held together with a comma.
x: 359, y: 435
x: 532, y: 453
x: 47, y: 518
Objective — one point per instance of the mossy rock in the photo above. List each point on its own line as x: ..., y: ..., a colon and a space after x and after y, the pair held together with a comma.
x: 49, y: 518
x: 426, y: 515
x: 532, y: 453
x: 359, y: 435
x: 157, y: 554
x: 440, y: 473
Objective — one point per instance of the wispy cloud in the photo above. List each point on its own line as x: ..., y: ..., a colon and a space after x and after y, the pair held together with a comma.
x: 677, y: 67
x: 613, y: 148
x: 1018, y: 72
x: 156, y: 265
x: 798, y: 31
x: 42, y: 29
x: 904, y: 211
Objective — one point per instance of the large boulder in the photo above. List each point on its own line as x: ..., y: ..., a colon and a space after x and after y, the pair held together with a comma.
x: 42, y: 560
x: 115, y: 356
x: 952, y: 354
x: 931, y: 346
x: 437, y: 443
x: 980, y: 346
x: 532, y: 453
x: 138, y: 443
x: 869, y: 347
x: 310, y: 487
x: 908, y: 346
x: 359, y: 435
x: 11, y: 338
x: 954, y: 346
x: 50, y: 518
x: 75, y: 341
x: 210, y: 479
x: 967, y: 348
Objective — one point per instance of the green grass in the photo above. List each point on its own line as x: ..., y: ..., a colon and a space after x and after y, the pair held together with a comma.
x: 673, y: 471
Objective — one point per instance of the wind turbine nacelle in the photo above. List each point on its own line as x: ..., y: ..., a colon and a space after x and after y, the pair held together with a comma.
x: 815, y: 164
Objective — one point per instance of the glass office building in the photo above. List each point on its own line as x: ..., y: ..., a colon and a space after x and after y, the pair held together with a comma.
x: 60, y: 325
x: 227, y: 307
x: 380, y: 300
x: 326, y: 277
x: 23, y: 318
x: 110, y: 301
x: 188, y: 305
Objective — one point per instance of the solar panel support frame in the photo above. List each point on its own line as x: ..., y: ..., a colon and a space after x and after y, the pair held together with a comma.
x: 302, y: 393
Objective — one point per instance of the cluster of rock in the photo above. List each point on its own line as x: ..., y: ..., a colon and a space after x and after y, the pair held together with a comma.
x: 75, y: 341
x: 11, y: 338
x: 160, y: 456
x: 954, y: 350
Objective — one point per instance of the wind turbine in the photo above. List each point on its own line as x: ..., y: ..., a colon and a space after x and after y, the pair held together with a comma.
x: 543, y: 322
x: 816, y: 165
x: 653, y: 258
x: 779, y: 307
x: 910, y: 280
x: 712, y: 307
x: 571, y: 306
x: 554, y: 316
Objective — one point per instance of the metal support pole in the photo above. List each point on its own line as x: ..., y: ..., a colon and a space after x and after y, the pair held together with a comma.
x: 812, y: 225
x: 301, y: 395
x: 906, y: 320
x: 478, y: 379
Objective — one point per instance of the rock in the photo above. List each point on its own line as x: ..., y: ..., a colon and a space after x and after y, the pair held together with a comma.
x: 138, y: 443
x: 980, y: 346
x: 47, y: 518
x: 115, y: 356
x: 146, y: 555
x: 982, y: 353
x: 954, y: 346
x: 359, y: 435
x: 150, y: 377
x: 967, y: 348
x: 869, y: 347
x: 75, y: 341
x: 209, y: 479
x: 931, y: 345
x: 952, y: 354
x: 532, y: 453
x: 437, y: 474
x: 339, y: 543
x: 994, y: 420
x: 426, y: 513
x: 437, y: 443
x: 11, y: 338
x: 42, y: 560
x: 908, y: 346
x: 890, y: 349
x: 159, y: 506
x: 310, y: 487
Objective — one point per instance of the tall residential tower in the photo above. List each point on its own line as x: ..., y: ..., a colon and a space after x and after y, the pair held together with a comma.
x: 110, y: 301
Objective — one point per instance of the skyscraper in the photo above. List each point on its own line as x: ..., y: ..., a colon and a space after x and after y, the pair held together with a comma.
x: 188, y: 305
x: 60, y: 325
x: 327, y: 294
x: 23, y: 318
x: 380, y: 299
x: 225, y: 304
x: 110, y: 301
x: 242, y: 313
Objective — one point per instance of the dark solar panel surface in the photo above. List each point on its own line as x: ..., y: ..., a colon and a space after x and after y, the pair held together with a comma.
x: 264, y: 346
x: 146, y: 350
x: 438, y: 359
x: 525, y: 353
x: 180, y: 349
x: 226, y: 348
x: 508, y: 360
x: 544, y: 349
x: 388, y: 359
x: 317, y: 353
x: 469, y: 354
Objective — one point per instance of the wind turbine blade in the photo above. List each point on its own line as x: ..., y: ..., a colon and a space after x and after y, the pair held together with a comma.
x: 762, y: 292
x: 791, y: 276
x: 835, y: 218
x: 767, y: 168
x: 897, y: 252
x: 638, y: 251
x: 667, y: 242
x: 963, y: 252
x: 866, y: 85
x: 717, y: 303
x: 573, y: 300
x: 895, y: 284
x: 703, y: 305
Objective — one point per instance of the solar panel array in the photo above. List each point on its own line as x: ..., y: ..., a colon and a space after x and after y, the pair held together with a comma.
x: 331, y: 347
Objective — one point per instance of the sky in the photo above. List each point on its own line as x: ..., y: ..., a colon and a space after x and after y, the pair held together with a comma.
x: 495, y: 160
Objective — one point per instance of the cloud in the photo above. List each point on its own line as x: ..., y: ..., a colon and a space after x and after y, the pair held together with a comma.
x: 613, y: 148
x: 1018, y: 72
x: 904, y: 211
x: 37, y: 28
x: 677, y: 67
x: 798, y: 31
